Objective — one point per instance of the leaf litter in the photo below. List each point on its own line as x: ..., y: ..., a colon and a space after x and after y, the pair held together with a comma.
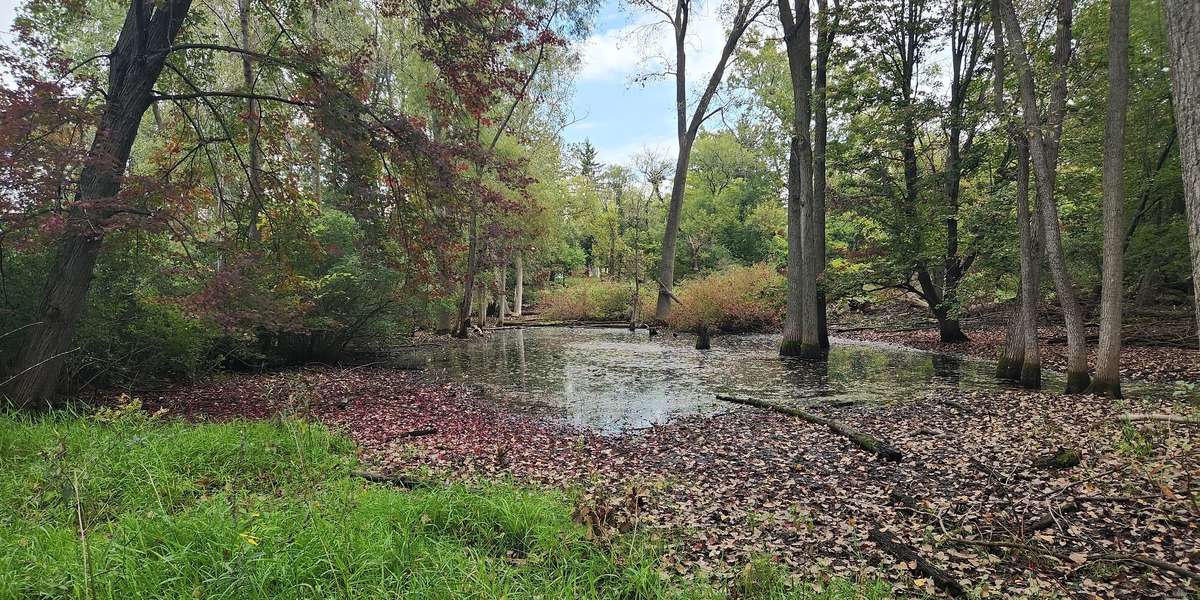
x: 719, y: 491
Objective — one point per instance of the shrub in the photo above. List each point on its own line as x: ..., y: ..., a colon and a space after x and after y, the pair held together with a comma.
x: 737, y: 299
x: 592, y: 299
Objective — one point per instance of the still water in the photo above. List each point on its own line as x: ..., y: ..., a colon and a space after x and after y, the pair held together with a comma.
x: 613, y: 380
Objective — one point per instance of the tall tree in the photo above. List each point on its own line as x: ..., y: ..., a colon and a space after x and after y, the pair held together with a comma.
x: 1183, y: 42
x: 253, y: 124
x: 679, y: 16
x: 1044, y: 143
x: 800, y: 331
x: 135, y: 64
x: 968, y: 37
x: 1108, y: 361
x: 828, y: 24
x: 1020, y: 360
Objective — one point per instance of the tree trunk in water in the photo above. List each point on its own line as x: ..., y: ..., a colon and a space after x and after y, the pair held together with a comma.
x: 1008, y: 367
x: 464, y: 307
x: 1021, y: 359
x: 800, y: 335
x: 826, y: 32
x: 253, y: 124
x: 666, y: 265
x: 703, y: 339
x: 518, y: 284
x: 483, y: 305
x: 1031, y: 262
x: 1183, y: 42
x: 501, y: 294
x: 1108, y: 360
x: 1044, y: 154
x: 131, y: 78
x: 687, y: 129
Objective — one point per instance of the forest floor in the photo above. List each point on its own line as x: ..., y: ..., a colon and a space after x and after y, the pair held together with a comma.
x: 724, y: 490
x: 1158, y: 345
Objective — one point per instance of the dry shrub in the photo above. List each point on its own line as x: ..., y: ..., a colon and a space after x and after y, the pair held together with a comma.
x: 588, y: 300
x: 737, y: 299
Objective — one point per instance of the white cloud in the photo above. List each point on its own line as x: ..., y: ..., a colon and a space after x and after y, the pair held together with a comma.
x: 646, y: 44
x: 623, y: 154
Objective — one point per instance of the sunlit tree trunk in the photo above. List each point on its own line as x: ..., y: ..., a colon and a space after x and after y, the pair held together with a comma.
x: 1183, y: 43
x: 132, y: 74
x: 1108, y: 361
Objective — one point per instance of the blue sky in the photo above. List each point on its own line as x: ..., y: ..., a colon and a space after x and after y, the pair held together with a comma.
x: 621, y: 118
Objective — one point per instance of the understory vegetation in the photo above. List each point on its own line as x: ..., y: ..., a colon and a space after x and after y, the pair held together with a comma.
x: 120, y: 504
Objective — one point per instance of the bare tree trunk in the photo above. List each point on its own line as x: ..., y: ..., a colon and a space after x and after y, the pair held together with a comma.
x: 253, y: 124
x: 800, y: 327
x: 464, y: 307
x: 483, y: 305
x: 1108, y: 360
x: 1021, y: 360
x: 688, y: 127
x: 501, y: 293
x: 1044, y: 154
x: 1183, y: 42
x: 131, y: 78
x: 827, y: 30
x: 518, y: 284
x: 1029, y: 221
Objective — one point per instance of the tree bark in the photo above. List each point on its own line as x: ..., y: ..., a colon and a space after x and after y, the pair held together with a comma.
x: 801, y: 337
x: 464, y: 307
x: 687, y: 128
x: 253, y: 125
x: 1108, y: 360
x: 1027, y: 222
x: 1044, y: 146
x: 501, y: 294
x: 1183, y: 43
x: 518, y: 284
x: 827, y: 30
x: 133, y: 71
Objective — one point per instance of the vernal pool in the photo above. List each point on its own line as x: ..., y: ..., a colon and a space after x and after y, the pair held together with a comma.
x: 614, y: 379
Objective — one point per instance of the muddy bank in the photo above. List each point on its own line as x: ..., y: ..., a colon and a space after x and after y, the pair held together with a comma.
x: 721, y: 489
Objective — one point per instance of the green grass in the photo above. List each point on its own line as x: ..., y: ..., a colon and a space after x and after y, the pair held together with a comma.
x: 270, y: 510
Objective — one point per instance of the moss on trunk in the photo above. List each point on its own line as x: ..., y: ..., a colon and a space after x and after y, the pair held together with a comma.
x: 1077, y: 383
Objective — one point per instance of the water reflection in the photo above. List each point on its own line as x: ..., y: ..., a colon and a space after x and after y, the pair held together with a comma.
x: 613, y: 379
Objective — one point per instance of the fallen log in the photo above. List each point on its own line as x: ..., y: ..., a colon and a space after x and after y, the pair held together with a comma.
x: 1063, y: 458
x: 861, y: 439
x: 418, y: 433
x: 907, y: 554
x: 396, y: 480
x: 1084, y: 558
x: 1129, y: 417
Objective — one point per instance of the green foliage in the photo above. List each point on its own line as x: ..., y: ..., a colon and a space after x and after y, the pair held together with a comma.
x: 736, y: 299
x: 269, y: 510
